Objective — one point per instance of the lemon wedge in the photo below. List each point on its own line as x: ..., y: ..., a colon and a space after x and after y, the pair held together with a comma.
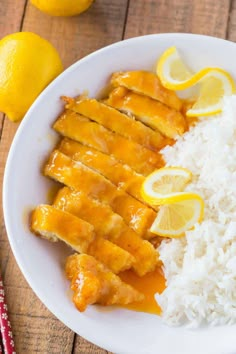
x: 163, y: 185
x: 173, y: 72
x: 215, y: 83
x: 173, y: 220
x: 179, y: 211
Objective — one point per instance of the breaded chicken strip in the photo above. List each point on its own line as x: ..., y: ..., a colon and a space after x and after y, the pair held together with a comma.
x: 87, y: 132
x: 148, y: 84
x: 112, y: 256
x: 93, y: 283
x: 167, y: 121
x: 55, y: 224
x: 121, y: 175
x: 117, y: 122
x: 111, y: 226
x: 81, y: 178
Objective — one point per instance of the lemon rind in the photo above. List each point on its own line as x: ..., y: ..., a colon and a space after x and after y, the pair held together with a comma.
x: 171, y: 198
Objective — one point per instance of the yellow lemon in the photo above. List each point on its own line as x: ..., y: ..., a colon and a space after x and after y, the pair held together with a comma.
x: 179, y: 211
x: 163, y: 186
x: 214, y: 86
x: 173, y: 72
x: 215, y: 83
x: 62, y: 7
x: 173, y: 220
x: 28, y: 63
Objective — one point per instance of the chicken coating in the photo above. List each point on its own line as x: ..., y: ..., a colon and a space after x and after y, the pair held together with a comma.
x: 147, y: 83
x: 87, y: 132
x: 117, y: 122
x: 112, y: 256
x: 156, y: 115
x: 55, y: 224
x: 93, y: 283
x: 81, y: 178
x: 121, y: 175
x: 110, y: 225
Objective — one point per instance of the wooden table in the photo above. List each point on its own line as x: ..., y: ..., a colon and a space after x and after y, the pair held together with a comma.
x: 107, y: 21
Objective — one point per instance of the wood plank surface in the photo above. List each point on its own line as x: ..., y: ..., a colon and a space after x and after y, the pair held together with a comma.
x: 35, y: 328
x: 75, y: 37
x: 208, y: 17
x: 11, y: 13
x: 231, y: 30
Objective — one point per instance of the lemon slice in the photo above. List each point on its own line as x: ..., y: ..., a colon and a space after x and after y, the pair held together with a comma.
x: 173, y: 220
x: 172, y: 71
x: 163, y: 185
x: 215, y: 83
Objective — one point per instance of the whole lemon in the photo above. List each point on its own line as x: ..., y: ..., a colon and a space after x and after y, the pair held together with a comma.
x: 62, y: 7
x: 28, y: 63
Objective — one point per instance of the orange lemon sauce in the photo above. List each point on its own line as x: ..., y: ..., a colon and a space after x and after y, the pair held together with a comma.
x: 149, y: 285
x: 52, y: 192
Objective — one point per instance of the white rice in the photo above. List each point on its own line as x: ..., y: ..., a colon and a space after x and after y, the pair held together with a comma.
x: 201, y: 268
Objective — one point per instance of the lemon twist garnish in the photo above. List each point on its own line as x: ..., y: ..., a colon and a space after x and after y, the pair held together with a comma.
x: 215, y: 83
x: 179, y: 211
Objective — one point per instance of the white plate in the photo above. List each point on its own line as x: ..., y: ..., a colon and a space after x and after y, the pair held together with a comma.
x: 24, y: 187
